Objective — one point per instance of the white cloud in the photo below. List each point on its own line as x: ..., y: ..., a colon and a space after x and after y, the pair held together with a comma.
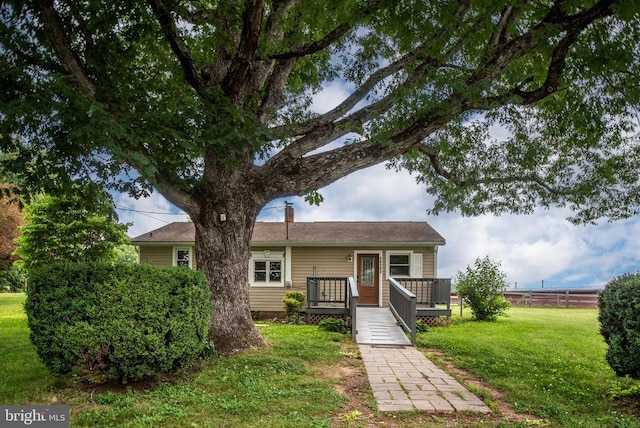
x: 330, y: 97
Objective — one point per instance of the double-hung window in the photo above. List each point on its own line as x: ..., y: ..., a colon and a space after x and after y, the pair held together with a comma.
x: 267, y: 269
x: 183, y: 256
x: 400, y: 264
x: 404, y: 264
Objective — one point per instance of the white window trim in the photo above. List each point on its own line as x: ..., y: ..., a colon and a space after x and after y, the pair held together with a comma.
x: 268, y: 256
x: 400, y: 252
x: 174, y: 261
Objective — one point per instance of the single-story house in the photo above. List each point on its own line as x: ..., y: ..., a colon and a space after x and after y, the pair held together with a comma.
x: 284, y: 255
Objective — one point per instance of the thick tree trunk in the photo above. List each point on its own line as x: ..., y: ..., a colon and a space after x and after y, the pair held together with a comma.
x: 222, y: 253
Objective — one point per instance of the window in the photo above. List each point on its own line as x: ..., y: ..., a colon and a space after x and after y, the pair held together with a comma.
x: 182, y: 257
x: 400, y: 265
x: 267, y: 269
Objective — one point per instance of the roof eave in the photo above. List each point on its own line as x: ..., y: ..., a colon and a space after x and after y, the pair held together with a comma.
x: 350, y: 244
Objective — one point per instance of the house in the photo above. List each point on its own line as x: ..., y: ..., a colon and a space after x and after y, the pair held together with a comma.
x: 286, y: 255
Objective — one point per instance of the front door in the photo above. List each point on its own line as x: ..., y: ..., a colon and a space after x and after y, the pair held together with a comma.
x: 368, y: 278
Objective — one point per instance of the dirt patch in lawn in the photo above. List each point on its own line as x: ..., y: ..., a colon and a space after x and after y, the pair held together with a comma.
x: 359, y: 410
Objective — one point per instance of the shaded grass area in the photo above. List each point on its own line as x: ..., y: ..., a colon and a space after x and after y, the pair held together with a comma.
x: 23, y: 378
x: 284, y: 386
x: 549, y: 362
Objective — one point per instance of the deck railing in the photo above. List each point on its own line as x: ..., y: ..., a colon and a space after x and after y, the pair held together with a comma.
x: 402, y: 303
x: 429, y: 291
x: 353, y: 307
x: 327, y: 291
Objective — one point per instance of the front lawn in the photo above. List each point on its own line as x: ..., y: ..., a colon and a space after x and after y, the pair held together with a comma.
x: 548, y: 362
x: 285, y: 386
x: 545, y: 362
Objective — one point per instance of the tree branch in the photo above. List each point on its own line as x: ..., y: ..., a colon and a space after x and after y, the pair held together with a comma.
x: 247, y: 49
x: 317, y: 46
x: 447, y: 175
x: 500, y: 36
x: 273, y: 99
x: 352, y: 99
x: 327, y: 40
x: 69, y: 59
x: 187, y: 62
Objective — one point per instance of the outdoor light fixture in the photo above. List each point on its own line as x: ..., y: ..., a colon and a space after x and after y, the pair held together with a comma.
x: 349, y: 258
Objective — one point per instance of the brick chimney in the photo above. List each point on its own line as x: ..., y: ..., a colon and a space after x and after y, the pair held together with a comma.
x: 288, y: 212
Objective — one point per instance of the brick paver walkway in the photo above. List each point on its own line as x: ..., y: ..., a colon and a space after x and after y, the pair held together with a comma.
x: 403, y: 378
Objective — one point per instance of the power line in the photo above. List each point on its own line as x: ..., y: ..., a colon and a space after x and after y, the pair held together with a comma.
x: 155, y: 218
x: 146, y: 212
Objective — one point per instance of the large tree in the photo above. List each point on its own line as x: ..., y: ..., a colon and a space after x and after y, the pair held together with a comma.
x: 208, y: 103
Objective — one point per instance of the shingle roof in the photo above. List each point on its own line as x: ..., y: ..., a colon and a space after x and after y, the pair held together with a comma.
x: 311, y: 233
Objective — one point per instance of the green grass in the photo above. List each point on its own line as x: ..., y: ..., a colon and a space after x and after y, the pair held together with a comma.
x: 23, y: 378
x: 284, y: 386
x: 548, y: 362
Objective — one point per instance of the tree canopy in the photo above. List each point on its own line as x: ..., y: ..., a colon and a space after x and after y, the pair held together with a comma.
x: 148, y: 94
x: 208, y: 102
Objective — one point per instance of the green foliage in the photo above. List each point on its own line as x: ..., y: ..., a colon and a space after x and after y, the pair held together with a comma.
x: 619, y: 318
x: 11, y: 279
x: 337, y: 325
x: 277, y: 387
x: 76, y: 227
x: 125, y: 254
x: 482, y: 287
x: 293, y: 301
x: 117, y: 321
x: 211, y: 103
x: 421, y: 327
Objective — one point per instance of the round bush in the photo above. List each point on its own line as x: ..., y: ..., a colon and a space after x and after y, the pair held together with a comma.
x: 619, y: 317
x: 117, y: 322
x: 482, y: 287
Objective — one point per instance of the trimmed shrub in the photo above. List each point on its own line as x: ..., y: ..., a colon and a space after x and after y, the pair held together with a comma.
x: 619, y: 318
x: 482, y: 288
x: 334, y: 324
x: 11, y: 279
x: 117, y: 322
x: 292, y: 304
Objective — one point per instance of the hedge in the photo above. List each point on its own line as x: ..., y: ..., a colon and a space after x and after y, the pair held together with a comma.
x: 619, y: 317
x: 117, y: 322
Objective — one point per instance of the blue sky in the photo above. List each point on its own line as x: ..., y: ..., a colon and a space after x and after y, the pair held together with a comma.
x: 531, y: 248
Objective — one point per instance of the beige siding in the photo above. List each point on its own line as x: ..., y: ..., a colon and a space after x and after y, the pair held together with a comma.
x: 161, y: 256
x: 427, y: 266
x: 267, y: 298
x: 311, y: 261
x: 306, y: 262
